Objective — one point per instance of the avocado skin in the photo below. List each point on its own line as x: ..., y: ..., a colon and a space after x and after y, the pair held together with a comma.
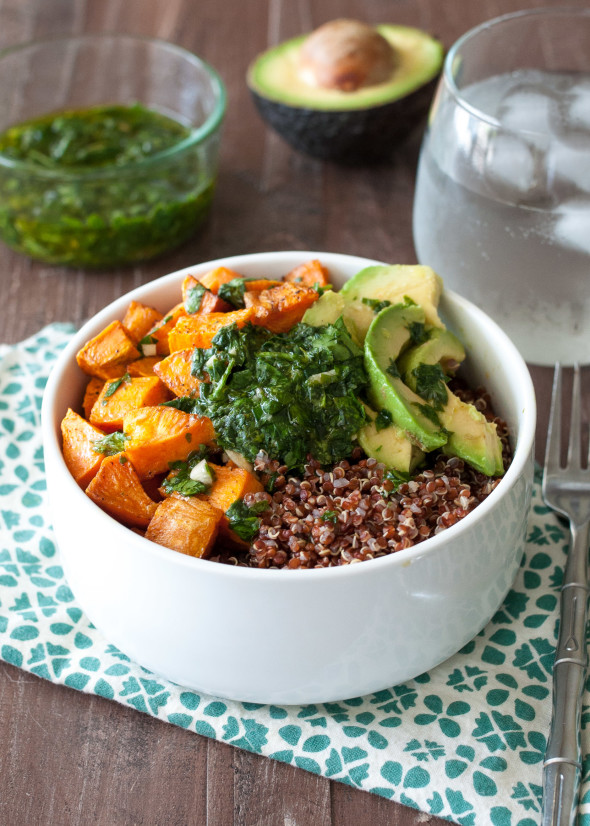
x: 351, y: 137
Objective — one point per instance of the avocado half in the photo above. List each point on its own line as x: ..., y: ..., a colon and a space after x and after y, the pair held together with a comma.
x: 348, y: 126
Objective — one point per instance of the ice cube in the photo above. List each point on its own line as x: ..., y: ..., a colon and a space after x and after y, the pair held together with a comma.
x: 572, y: 124
x: 511, y: 167
x: 528, y: 107
x: 572, y: 224
x: 579, y: 108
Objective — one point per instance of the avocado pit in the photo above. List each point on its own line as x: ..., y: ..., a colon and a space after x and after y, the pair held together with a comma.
x: 346, y: 55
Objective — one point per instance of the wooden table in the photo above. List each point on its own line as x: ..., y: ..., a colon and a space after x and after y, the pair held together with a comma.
x: 67, y: 758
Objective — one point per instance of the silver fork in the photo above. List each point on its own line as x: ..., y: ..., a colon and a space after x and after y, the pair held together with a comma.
x: 567, y: 490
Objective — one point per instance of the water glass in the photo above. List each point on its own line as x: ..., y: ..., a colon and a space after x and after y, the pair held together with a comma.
x: 502, y: 205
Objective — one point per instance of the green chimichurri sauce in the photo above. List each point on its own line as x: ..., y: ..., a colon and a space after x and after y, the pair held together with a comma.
x: 93, y: 193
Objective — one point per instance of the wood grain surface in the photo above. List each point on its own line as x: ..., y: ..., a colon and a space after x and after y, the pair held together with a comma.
x: 67, y: 758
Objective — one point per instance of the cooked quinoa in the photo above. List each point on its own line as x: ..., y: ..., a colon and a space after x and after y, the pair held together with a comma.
x: 354, y: 511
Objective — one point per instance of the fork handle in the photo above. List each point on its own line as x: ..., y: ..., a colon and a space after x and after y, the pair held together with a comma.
x: 563, y: 759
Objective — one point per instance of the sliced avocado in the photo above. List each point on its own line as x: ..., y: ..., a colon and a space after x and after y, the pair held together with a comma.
x: 391, y: 283
x: 389, y: 333
x: 389, y: 445
x: 353, y: 114
x: 325, y: 310
x: 470, y: 435
x: 442, y: 347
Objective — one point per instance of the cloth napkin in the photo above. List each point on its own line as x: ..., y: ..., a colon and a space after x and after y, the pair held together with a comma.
x: 464, y: 741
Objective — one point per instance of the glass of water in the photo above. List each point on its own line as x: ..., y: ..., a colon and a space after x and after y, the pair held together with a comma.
x: 502, y: 204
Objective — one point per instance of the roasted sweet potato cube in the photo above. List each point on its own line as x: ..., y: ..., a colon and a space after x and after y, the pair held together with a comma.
x: 209, y: 302
x: 199, y: 330
x: 279, y: 308
x: 175, y: 372
x: 188, y: 526
x: 117, y: 490
x: 159, y: 332
x: 215, y: 278
x: 109, y: 410
x: 230, y: 484
x: 259, y: 284
x: 139, y: 320
x: 143, y: 367
x: 107, y: 354
x: 91, y: 394
x: 310, y: 274
x: 78, y: 437
x: 160, y: 435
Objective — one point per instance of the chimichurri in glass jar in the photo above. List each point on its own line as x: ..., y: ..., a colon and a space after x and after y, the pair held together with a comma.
x: 101, y: 186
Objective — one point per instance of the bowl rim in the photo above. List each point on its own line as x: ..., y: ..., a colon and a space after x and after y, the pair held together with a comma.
x: 196, y: 136
x: 205, y: 567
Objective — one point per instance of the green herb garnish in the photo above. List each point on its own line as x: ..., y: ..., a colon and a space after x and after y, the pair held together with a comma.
x: 431, y: 384
x: 393, y: 370
x: 233, y: 292
x: 289, y: 394
x: 111, y: 444
x: 384, y: 419
x: 114, y: 386
x: 429, y: 412
x: 244, y: 520
x: 329, y: 516
x: 418, y: 333
x: 375, y: 304
x: 181, y: 481
x: 194, y: 297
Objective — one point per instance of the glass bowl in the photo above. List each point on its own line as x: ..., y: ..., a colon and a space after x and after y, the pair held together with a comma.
x: 111, y: 213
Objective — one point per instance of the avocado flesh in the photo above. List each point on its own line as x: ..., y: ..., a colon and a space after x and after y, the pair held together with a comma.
x: 391, y: 283
x: 275, y: 74
x: 326, y: 310
x: 389, y: 445
x: 388, y: 334
x: 470, y: 435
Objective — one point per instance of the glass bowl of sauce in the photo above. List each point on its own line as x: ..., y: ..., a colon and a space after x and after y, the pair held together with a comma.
x: 108, y: 148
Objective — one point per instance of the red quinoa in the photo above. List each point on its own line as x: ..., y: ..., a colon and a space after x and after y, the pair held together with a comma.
x: 352, y: 511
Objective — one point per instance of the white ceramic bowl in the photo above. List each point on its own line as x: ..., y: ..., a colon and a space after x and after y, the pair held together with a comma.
x: 275, y: 636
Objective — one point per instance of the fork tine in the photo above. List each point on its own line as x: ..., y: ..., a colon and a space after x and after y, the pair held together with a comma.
x: 574, y: 453
x: 553, y: 448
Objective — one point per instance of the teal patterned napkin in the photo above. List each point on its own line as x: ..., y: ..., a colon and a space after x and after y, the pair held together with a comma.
x: 464, y: 742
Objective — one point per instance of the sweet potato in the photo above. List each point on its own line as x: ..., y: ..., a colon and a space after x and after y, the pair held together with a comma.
x: 199, y: 330
x: 160, y: 435
x: 159, y: 332
x: 139, y: 320
x: 188, y: 526
x: 91, y: 394
x: 107, y: 354
x: 257, y: 285
x: 279, y: 308
x: 230, y: 484
x: 117, y: 490
x: 310, y: 274
x: 109, y: 410
x: 78, y: 438
x: 144, y: 366
x: 215, y: 278
x: 210, y: 302
x: 175, y: 372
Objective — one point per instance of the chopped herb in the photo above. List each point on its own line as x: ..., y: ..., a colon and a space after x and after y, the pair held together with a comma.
x: 418, y: 333
x: 244, y: 520
x: 194, y: 296
x: 397, y: 478
x: 184, y: 403
x: 114, y: 386
x: 383, y: 420
x: 329, y: 516
x: 431, y: 384
x: 289, y: 394
x: 429, y: 412
x: 111, y: 444
x: 181, y: 480
x: 319, y: 288
x: 148, y: 340
x: 409, y: 302
x: 270, y: 485
x: 392, y: 369
x: 375, y: 304
x: 167, y: 319
x: 123, y: 459
x: 188, y: 437
x: 233, y: 292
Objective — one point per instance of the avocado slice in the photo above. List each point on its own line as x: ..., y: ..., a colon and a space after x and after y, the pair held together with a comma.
x: 390, y: 283
x: 389, y: 445
x: 326, y: 310
x: 470, y: 435
x: 442, y: 347
x: 389, y: 333
x: 342, y: 124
